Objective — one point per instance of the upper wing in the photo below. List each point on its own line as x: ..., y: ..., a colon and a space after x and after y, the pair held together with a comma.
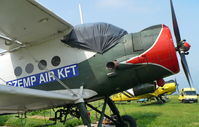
x: 28, y: 22
x: 15, y: 99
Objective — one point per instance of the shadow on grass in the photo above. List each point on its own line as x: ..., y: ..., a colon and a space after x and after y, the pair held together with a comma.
x: 145, y: 118
x: 3, y: 119
x: 152, y: 103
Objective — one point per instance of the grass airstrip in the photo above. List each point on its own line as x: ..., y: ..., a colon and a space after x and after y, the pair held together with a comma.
x: 171, y: 114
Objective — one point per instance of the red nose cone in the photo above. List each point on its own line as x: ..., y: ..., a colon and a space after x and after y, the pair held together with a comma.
x: 162, y: 53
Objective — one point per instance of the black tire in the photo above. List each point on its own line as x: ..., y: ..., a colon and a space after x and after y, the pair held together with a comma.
x: 128, y: 121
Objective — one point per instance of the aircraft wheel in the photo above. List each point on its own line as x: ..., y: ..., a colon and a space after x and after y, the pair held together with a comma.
x: 128, y: 121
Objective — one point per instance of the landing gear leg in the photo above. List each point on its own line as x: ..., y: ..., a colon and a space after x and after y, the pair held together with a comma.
x: 82, y: 109
x: 84, y: 114
x: 162, y: 99
x: 122, y: 121
x: 159, y: 101
x: 115, y: 111
x: 119, y: 121
x: 102, y: 113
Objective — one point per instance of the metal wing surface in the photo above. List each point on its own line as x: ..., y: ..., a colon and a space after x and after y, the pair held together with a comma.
x: 28, y: 22
x: 16, y: 99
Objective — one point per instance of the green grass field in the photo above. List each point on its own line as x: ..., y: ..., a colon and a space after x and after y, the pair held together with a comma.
x: 171, y: 114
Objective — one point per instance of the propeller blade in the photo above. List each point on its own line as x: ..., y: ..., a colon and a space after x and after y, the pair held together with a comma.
x: 186, y: 70
x: 175, y: 25
x: 179, y: 45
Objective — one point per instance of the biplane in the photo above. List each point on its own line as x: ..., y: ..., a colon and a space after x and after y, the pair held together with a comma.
x: 47, y: 63
x: 158, y: 93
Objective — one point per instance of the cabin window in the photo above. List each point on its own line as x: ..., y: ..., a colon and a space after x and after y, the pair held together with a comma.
x: 42, y: 64
x: 18, y: 71
x: 56, y: 60
x: 29, y: 68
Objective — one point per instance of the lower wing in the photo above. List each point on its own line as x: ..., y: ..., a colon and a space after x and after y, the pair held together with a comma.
x: 19, y: 100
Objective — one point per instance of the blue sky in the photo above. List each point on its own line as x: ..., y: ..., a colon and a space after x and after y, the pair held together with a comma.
x: 135, y: 15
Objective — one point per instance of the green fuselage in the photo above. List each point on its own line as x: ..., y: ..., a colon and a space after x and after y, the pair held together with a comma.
x: 93, y: 73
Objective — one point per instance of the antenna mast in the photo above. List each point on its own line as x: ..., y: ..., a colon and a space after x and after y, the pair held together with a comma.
x: 81, y: 14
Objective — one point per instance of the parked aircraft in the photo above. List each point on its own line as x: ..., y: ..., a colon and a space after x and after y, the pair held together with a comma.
x: 158, y: 93
x: 49, y: 63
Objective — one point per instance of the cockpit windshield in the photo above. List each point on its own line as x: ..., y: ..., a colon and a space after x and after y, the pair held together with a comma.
x: 190, y: 92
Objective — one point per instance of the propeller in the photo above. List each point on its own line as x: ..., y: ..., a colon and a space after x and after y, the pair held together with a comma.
x: 182, y: 46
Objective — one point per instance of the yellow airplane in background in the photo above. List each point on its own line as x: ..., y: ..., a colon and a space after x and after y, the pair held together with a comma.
x: 168, y: 88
